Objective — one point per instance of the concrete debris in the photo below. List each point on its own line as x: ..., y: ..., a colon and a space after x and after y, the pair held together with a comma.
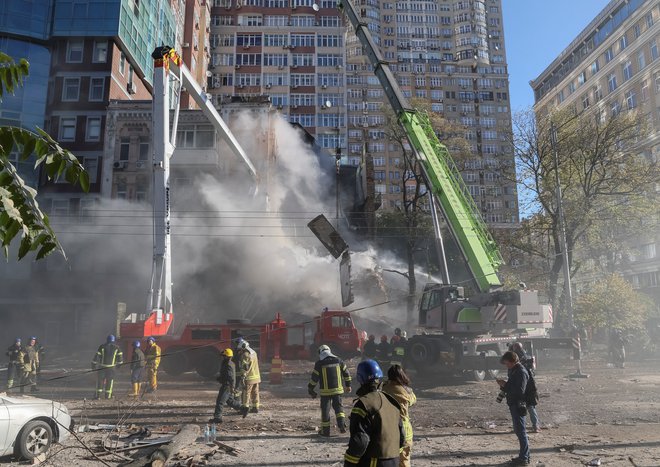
x: 594, y: 462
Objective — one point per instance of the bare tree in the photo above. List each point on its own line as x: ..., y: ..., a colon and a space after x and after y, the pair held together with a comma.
x: 411, y: 222
x: 607, y: 184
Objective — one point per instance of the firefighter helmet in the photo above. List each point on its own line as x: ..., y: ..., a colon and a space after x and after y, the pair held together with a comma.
x: 111, y: 338
x: 244, y: 345
x: 324, y: 352
x: 137, y: 344
x: 397, y: 332
x: 372, y: 337
x: 228, y: 353
x: 383, y: 338
x: 404, y: 334
x: 32, y: 338
x: 151, y: 340
x: 368, y: 371
x: 17, y: 340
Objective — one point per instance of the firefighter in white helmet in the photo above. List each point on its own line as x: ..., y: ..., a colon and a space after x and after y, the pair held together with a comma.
x: 331, y: 374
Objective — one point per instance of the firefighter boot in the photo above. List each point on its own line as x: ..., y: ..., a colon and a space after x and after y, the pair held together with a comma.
x: 136, y: 390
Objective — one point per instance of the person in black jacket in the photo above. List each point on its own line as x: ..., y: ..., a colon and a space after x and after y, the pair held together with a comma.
x: 227, y: 380
x: 528, y: 362
x: 370, y: 348
x: 331, y: 374
x: 515, y: 388
x: 377, y: 434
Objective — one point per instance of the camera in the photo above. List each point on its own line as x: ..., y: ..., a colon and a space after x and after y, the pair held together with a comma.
x: 522, y: 408
x: 500, y: 396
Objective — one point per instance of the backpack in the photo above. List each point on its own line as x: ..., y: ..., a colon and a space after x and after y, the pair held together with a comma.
x: 531, y: 392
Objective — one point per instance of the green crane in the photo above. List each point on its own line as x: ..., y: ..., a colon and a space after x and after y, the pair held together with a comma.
x: 447, y: 189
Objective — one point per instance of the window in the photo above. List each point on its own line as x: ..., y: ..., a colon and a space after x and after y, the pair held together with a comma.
x: 93, y: 130
x: 641, y: 60
x: 623, y: 43
x: 585, y: 101
x: 611, y: 82
x: 654, y: 50
x: 609, y: 55
x: 648, y: 251
x: 60, y: 207
x: 100, y: 52
x: 595, y: 66
x: 124, y: 149
x: 145, y: 154
x: 122, y: 64
x: 631, y: 100
x: 74, y: 51
x: 627, y: 70
x: 91, y: 165
x: 96, y: 89
x: 70, y: 89
x: 67, y: 128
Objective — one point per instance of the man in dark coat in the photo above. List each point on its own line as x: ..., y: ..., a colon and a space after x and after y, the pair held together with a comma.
x: 227, y: 380
x: 515, y: 387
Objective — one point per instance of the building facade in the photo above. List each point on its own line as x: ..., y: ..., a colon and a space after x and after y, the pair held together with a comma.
x: 613, y: 66
x: 449, y: 54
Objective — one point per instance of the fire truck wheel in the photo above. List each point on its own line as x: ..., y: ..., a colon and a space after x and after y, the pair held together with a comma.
x: 207, y: 363
x: 176, y: 362
x: 423, y: 353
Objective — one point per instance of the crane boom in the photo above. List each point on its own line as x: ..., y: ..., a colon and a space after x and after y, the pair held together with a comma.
x: 439, y: 172
x: 169, y: 67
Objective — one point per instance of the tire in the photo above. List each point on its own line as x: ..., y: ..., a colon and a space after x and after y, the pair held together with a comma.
x: 176, y: 363
x: 35, y: 438
x: 207, y: 363
x: 422, y: 353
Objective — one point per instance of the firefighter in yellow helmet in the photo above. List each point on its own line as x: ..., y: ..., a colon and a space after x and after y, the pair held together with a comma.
x: 251, y: 378
x: 227, y: 380
x: 331, y: 374
x: 152, y: 356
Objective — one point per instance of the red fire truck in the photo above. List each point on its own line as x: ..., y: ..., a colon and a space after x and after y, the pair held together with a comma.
x: 199, y: 345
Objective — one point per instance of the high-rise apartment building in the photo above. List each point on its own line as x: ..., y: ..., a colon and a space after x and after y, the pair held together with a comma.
x: 448, y: 53
x: 613, y: 66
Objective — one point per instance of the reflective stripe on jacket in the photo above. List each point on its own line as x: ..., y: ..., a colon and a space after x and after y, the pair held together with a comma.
x: 251, y: 367
x: 108, y: 355
x: 153, y: 356
x: 331, y: 374
x: 405, y: 397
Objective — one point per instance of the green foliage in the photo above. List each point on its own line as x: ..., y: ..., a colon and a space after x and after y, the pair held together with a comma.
x: 19, y: 210
x: 613, y: 303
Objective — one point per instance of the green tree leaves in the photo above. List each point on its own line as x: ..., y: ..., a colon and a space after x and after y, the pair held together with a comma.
x: 20, y: 215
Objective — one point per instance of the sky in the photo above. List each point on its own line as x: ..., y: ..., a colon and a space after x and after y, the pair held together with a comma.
x: 535, y: 33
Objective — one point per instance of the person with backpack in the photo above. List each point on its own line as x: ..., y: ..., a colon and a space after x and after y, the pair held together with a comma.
x: 515, y: 388
x: 531, y: 395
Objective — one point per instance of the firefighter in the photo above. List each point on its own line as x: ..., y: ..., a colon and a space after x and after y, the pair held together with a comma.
x: 331, y: 374
x: 15, y: 367
x: 376, y: 429
x: 237, y: 359
x: 396, y: 336
x: 41, y: 350
x: 398, y: 386
x: 107, y: 358
x: 370, y: 348
x: 138, y: 362
x: 398, y: 351
x: 30, y: 365
x: 227, y: 380
x: 250, y: 380
x: 383, y: 351
x: 152, y: 356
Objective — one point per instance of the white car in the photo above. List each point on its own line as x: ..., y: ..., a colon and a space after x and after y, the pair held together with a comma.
x: 28, y: 425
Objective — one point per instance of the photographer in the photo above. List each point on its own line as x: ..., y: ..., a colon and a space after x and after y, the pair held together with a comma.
x: 515, y: 388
